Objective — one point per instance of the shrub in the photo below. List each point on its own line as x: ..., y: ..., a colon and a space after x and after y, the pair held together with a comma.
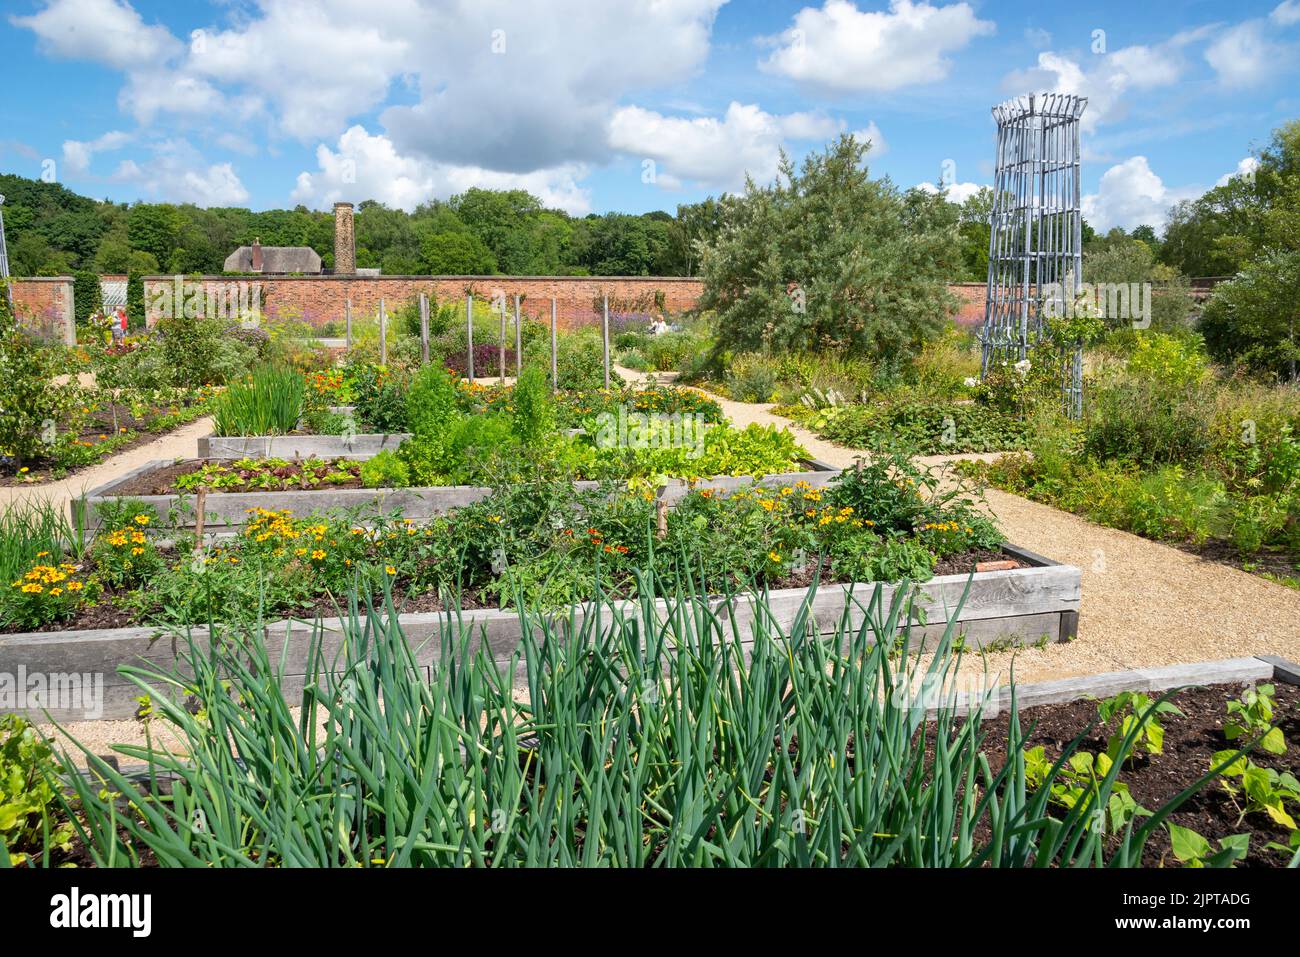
x: 579, y: 359
x: 927, y: 428
x: 385, y: 470
x: 380, y: 399
x: 31, y: 405
x: 533, y: 419
x: 200, y: 351
x: 487, y: 361
x: 87, y: 294
x: 752, y: 378
x: 828, y: 258
x: 1146, y: 422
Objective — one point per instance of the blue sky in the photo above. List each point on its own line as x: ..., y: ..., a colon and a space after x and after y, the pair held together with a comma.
x: 631, y: 105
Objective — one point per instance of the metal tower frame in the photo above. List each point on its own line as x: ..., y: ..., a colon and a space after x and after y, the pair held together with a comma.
x: 1036, y: 230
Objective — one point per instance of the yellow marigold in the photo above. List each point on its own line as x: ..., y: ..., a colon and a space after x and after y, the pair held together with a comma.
x: 390, y: 569
x: 142, y: 519
x: 318, y: 554
x: 74, y: 586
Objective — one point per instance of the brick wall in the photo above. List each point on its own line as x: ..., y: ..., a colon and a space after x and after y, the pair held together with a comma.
x: 322, y: 299
x: 44, y: 304
x: 973, y: 296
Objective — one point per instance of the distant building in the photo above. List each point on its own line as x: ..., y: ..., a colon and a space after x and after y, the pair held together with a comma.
x: 274, y: 260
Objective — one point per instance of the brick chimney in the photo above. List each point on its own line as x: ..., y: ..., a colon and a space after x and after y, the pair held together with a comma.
x: 345, y: 247
x: 257, y: 254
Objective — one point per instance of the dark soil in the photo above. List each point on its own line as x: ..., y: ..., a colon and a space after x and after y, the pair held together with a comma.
x: 1190, y: 744
x: 1277, y: 563
x: 162, y: 481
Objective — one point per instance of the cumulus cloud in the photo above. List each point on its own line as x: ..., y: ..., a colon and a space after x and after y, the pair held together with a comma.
x: 1286, y: 14
x: 953, y: 192
x: 1130, y: 194
x: 713, y: 151
x: 369, y: 166
x: 842, y: 49
x: 110, y: 32
x: 177, y: 173
x: 77, y: 154
x: 1244, y: 56
x: 1245, y: 169
x: 1105, y: 82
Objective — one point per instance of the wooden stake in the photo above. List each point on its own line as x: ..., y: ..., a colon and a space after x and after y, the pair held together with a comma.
x: 503, y: 339
x: 424, y: 328
x: 469, y: 336
x: 519, y: 341
x: 605, y: 336
x: 661, y: 518
x: 200, y: 506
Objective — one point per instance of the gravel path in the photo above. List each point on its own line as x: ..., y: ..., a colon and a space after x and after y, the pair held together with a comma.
x: 182, y: 443
x: 1144, y: 604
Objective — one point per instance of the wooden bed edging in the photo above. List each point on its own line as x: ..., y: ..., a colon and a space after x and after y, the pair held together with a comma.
x: 1022, y: 606
x: 230, y: 509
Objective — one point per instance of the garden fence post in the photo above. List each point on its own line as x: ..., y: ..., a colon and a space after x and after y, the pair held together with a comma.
x: 347, y: 322
x: 555, y: 378
x: 469, y: 336
x: 605, y: 335
x: 200, y: 505
x: 383, y: 333
x: 519, y: 341
x: 424, y: 328
x: 502, y: 350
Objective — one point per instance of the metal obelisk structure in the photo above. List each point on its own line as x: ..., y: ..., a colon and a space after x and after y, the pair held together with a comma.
x: 4, y: 262
x: 1036, y: 232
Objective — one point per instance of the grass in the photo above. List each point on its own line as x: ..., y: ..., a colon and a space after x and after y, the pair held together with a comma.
x: 640, y: 742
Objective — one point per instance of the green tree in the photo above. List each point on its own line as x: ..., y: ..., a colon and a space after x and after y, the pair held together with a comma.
x: 455, y: 254
x: 826, y: 258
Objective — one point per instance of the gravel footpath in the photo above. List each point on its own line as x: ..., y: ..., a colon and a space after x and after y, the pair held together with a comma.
x: 182, y: 443
x: 1144, y: 604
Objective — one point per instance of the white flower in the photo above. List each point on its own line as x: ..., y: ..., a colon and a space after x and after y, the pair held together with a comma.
x: 971, y: 382
x: 1022, y: 366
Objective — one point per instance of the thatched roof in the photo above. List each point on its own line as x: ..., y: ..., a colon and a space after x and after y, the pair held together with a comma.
x: 275, y: 259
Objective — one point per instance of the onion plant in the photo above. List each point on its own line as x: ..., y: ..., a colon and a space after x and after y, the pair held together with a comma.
x: 36, y: 530
x: 703, y: 735
x: 268, y: 402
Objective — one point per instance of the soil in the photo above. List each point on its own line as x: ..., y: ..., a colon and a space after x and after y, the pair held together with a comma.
x: 1279, y: 564
x: 162, y: 481
x: 1190, y: 744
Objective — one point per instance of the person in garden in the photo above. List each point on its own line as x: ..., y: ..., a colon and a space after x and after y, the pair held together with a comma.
x: 119, y: 324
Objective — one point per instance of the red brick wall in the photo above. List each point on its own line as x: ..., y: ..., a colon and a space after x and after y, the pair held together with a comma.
x: 973, y: 296
x: 45, y: 305
x: 321, y: 299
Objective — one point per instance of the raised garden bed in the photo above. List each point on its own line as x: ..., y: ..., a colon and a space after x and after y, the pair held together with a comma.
x: 299, y: 446
x: 152, y: 484
x: 1029, y: 605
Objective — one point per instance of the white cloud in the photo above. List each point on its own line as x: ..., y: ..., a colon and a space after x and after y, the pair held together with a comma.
x: 77, y: 154
x: 368, y: 166
x: 1130, y: 194
x: 714, y: 151
x: 843, y: 49
x: 1245, y: 168
x: 954, y: 192
x: 1105, y: 82
x: 148, y: 94
x: 1038, y: 38
x: 871, y: 134
x: 1286, y: 13
x: 102, y: 31
x: 176, y: 173
x: 1244, y: 56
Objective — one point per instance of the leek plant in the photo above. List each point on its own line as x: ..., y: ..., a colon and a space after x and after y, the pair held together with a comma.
x: 268, y: 402
x: 703, y: 736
